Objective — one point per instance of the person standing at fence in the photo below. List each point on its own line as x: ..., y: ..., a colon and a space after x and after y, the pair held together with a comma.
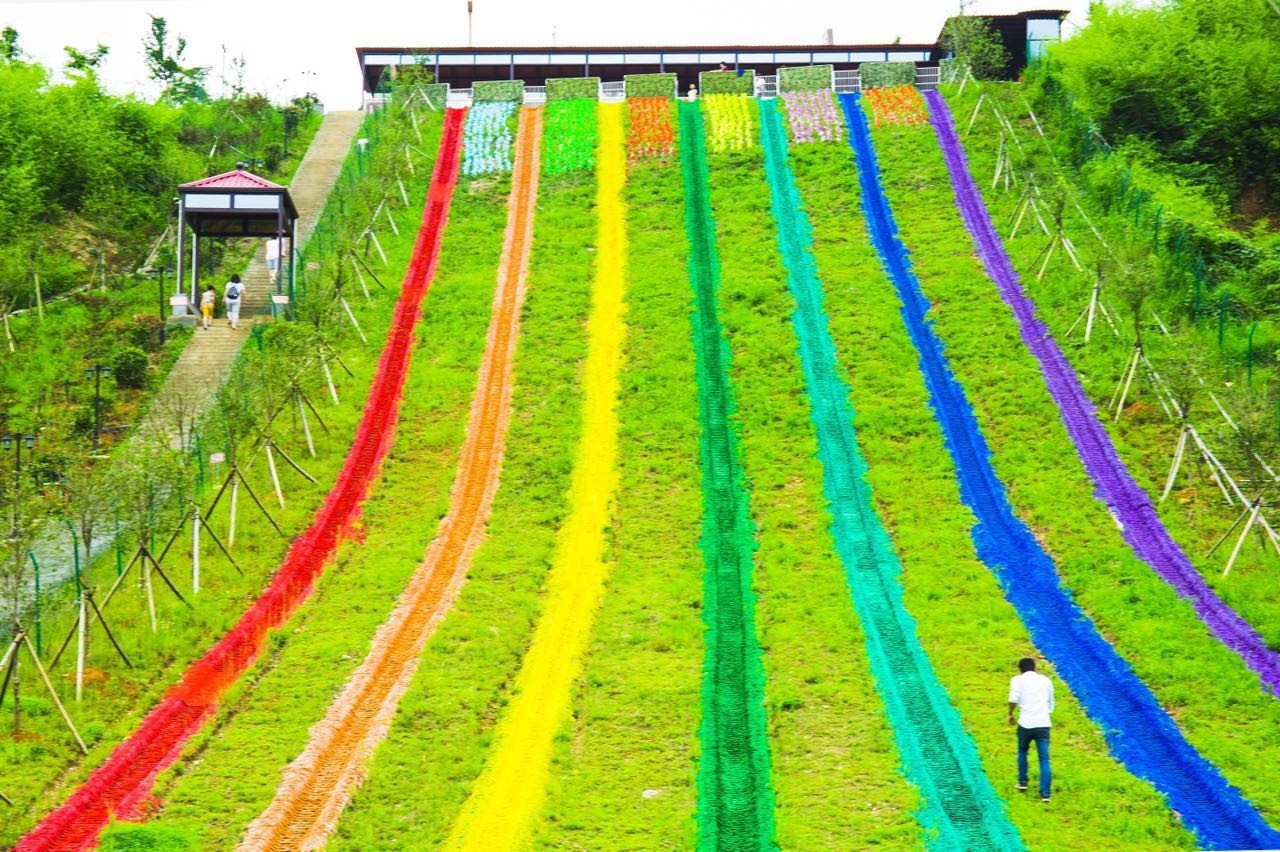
x: 232, y: 294
x: 1032, y: 694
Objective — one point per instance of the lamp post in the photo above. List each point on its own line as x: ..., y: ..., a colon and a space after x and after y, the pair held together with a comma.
x: 96, y: 372
x: 16, y: 441
x: 164, y: 331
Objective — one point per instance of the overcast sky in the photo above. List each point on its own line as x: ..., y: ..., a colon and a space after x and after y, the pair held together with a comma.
x: 292, y: 47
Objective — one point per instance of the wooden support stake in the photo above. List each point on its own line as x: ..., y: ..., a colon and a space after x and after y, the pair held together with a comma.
x: 54, y: 695
x: 328, y: 378
x: 1253, y: 518
x: 106, y: 628
x: 151, y: 595
x: 306, y: 427
x: 977, y: 106
x: 231, y: 527
x: 275, y: 477
x: 376, y: 244
x: 195, y: 550
x: 1177, y: 463
x: 82, y: 629
x: 1132, y: 368
x: 351, y: 316
x: 360, y: 277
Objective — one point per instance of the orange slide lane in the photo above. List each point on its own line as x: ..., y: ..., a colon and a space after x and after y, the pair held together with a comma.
x: 317, y: 785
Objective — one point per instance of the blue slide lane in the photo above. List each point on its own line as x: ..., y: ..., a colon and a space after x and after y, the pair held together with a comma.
x: 1137, y: 729
x: 961, y: 810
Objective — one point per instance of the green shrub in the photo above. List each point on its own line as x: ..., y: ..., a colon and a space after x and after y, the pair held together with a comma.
x: 876, y: 75
x: 488, y: 91
x: 129, y: 363
x: 804, y: 78
x: 727, y: 83
x: 144, y: 332
x: 130, y: 837
x: 650, y: 85
x: 950, y: 70
x: 566, y: 88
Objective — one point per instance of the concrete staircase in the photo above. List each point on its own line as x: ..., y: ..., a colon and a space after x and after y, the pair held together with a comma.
x: 206, y: 361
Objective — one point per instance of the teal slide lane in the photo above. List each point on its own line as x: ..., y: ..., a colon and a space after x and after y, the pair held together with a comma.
x: 961, y: 809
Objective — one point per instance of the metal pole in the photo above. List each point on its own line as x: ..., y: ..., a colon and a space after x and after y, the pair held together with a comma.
x: 182, y: 252
x: 163, y: 329
x: 293, y: 258
x: 17, y: 479
x: 469, y: 9
x: 97, y: 406
x: 279, y: 245
x: 195, y: 270
x: 39, y: 639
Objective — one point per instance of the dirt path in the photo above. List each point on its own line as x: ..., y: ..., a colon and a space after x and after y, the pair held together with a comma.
x: 319, y: 783
x: 508, y: 795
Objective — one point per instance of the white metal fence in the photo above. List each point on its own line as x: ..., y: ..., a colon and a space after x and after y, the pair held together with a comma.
x: 844, y: 80
x: 928, y: 77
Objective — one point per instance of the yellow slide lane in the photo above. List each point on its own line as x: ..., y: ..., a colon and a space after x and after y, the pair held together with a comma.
x: 508, y: 795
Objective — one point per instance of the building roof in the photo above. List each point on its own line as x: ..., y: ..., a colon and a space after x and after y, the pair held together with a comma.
x: 236, y: 179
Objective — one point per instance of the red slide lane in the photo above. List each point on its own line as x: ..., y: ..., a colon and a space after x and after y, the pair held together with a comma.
x: 125, y: 778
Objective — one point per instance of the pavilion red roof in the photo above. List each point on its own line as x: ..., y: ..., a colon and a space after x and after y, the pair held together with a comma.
x: 236, y: 179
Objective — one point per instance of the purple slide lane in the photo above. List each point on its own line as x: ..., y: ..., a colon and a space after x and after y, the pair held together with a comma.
x: 1115, y: 486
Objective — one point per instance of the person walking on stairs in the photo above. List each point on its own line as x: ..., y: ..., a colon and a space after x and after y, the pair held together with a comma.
x: 231, y: 295
x: 208, y: 300
x: 1032, y: 693
x: 274, y: 245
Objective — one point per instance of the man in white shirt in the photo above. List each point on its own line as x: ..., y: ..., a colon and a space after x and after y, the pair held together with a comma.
x: 1032, y: 693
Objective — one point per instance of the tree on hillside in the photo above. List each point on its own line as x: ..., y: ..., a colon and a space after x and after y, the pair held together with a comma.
x: 1193, y: 84
x: 974, y: 41
x: 9, y: 50
x: 180, y: 83
x: 86, y: 64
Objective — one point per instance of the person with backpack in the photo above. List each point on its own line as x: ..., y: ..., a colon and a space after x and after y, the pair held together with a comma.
x: 231, y: 295
x: 208, y: 300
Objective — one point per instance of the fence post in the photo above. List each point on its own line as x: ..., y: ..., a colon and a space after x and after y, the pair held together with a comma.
x: 39, y: 642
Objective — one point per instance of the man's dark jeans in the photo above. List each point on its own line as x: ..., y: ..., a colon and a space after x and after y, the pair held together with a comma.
x: 1041, y: 738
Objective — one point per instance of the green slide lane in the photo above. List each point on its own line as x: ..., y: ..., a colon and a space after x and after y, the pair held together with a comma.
x: 961, y: 809
x: 735, y: 809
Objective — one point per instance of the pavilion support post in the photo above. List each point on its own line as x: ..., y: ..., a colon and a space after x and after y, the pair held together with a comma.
x: 182, y: 258
x: 279, y: 239
x: 293, y: 256
x: 195, y: 269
